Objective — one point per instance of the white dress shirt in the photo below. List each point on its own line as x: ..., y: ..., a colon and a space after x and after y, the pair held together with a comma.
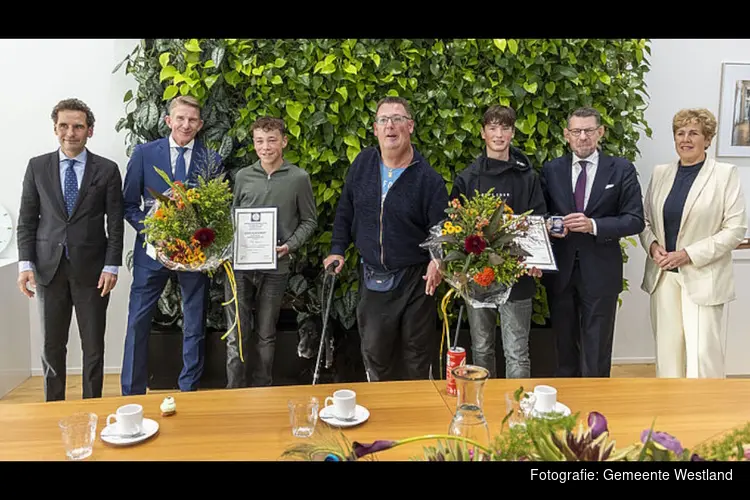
x: 593, y: 162
x: 174, y: 153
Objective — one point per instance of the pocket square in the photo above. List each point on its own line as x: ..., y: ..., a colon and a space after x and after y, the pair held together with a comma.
x: 609, y: 186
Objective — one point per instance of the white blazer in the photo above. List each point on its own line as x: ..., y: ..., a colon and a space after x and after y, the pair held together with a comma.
x: 713, y: 224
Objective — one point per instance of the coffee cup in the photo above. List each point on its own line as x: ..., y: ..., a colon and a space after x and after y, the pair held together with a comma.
x: 128, y: 420
x: 546, y: 398
x: 344, y: 404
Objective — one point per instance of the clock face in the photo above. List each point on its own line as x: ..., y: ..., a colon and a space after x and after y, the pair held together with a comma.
x: 6, y: 229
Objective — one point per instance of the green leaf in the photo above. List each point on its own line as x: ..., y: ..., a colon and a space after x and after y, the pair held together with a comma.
x: 294, y: 109
x: 211, y: 80
x: 550, y: 88
x: 328, y: 69
x: 164, y: 59
x: 352, y: 140
x: 453, y: 255
x: 128, y: 96
x: 351, y: 153
x: 209, y: 64
x: 328, y: 194
x: 513, y: 46
x: 376, y: 59
x: 500, y: 43
x: 605, y: 79
x: 495, y: 259
x: 568, y: 72
x: 167, y: 72
x: 543, y: 128
x: 276, y: 80
x: 334, y: 106
x: 170, y: 92
x: 351, y: 69
x: 343, y: 92
x: 280, y: 62
x: 193, y: 46
x: 295, y: 130
x: 530, y: 87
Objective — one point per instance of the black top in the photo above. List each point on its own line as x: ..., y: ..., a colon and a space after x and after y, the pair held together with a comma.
x: 675, y: 203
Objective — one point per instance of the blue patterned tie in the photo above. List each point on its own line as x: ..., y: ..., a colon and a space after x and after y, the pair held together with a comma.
x: 180, y: 170
x: 71, y: 187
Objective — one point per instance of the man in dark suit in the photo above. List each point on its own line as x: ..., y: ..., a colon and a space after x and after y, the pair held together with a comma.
x: 70, y: 238
x: 182, y: 158
x: 600, y: 199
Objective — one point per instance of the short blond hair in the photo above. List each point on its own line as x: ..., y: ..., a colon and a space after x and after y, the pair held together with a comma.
x: 187, y: 100
x: 700, y: 116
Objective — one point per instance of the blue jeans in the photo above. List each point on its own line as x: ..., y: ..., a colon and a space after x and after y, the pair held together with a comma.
x: 515, y: 323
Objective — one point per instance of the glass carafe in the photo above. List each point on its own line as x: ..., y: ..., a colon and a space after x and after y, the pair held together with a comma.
x: 469, y: 421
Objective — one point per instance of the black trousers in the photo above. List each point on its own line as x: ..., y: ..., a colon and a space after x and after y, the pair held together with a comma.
x: 260, y: 296
x: 584, y: 325
x: 398, y: 329
x: 56, y: 303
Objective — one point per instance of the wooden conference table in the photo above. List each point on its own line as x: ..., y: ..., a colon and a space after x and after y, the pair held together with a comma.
x: 253, y: 424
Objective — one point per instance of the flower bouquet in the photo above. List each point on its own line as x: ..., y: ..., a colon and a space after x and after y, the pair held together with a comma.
x: 191, y: 229
x: 478, y: 248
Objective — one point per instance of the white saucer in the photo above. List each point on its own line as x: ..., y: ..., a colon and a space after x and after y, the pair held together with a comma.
x: 361, y: 414
x: 559, y: 408
x: 109, y: 433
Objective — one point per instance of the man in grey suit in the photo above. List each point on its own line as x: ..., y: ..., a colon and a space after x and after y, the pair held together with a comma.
x: 70, y: 240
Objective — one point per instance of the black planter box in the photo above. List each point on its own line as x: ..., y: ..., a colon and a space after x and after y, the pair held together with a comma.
x: 165, y: 356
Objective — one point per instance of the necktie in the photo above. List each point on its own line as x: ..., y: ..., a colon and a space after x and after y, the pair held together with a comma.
x: 580, y: 191
x: 179, y: 169
x: 71, y: 187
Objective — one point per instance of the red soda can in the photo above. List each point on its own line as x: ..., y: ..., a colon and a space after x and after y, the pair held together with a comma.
x: 456, y: 357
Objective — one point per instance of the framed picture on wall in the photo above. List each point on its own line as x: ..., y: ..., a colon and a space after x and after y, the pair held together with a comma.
x: 733, y: 134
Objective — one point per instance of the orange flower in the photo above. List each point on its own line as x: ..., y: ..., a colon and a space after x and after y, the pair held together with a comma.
x: 485, y: 277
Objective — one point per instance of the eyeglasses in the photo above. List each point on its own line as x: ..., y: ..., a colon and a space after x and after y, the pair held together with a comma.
x: 396, y: 119
x: 575, y: 132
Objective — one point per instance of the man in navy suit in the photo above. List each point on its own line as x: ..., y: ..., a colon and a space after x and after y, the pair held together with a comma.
x: 183, y: 158
x: 600, y: 199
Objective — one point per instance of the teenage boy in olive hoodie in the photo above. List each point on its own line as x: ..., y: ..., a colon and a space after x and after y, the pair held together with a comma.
x: 506, y: 169
x: 271, y: 181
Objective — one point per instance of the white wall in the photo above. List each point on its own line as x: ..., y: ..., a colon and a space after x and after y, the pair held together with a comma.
x: 39, y: 74
x: 15, y: 365
x: 684, y: 74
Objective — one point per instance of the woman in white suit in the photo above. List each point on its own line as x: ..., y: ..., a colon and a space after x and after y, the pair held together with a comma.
x: 695, y: 216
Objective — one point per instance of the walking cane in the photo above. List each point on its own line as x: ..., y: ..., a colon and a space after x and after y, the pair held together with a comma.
x: 329, y: 271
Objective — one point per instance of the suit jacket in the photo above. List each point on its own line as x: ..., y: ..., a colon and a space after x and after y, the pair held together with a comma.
x: 616, y: 206
x: 141, y: 175
x: 713, y: 223
x: 44, y: 228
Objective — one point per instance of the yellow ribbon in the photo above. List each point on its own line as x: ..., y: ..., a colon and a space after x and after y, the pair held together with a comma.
x: 446, y: 326
x: 233, y: 284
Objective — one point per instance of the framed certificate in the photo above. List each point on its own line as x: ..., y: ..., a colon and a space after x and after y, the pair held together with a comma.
x: 255, y: 238
x: 537, y: 243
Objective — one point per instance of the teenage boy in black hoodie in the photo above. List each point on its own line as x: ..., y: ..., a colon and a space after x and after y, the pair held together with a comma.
x: 506, y: 169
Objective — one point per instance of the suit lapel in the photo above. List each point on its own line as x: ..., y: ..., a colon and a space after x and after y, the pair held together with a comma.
x: 662, y: 191
x: 88, y: 177
x: 567, y: 186
x: 603, y: 174
x: 695, y: 190
x: 165, y: 159
x: 54, y: 168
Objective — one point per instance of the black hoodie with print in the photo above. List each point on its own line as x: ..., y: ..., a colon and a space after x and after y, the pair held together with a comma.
x: 515, y: 180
